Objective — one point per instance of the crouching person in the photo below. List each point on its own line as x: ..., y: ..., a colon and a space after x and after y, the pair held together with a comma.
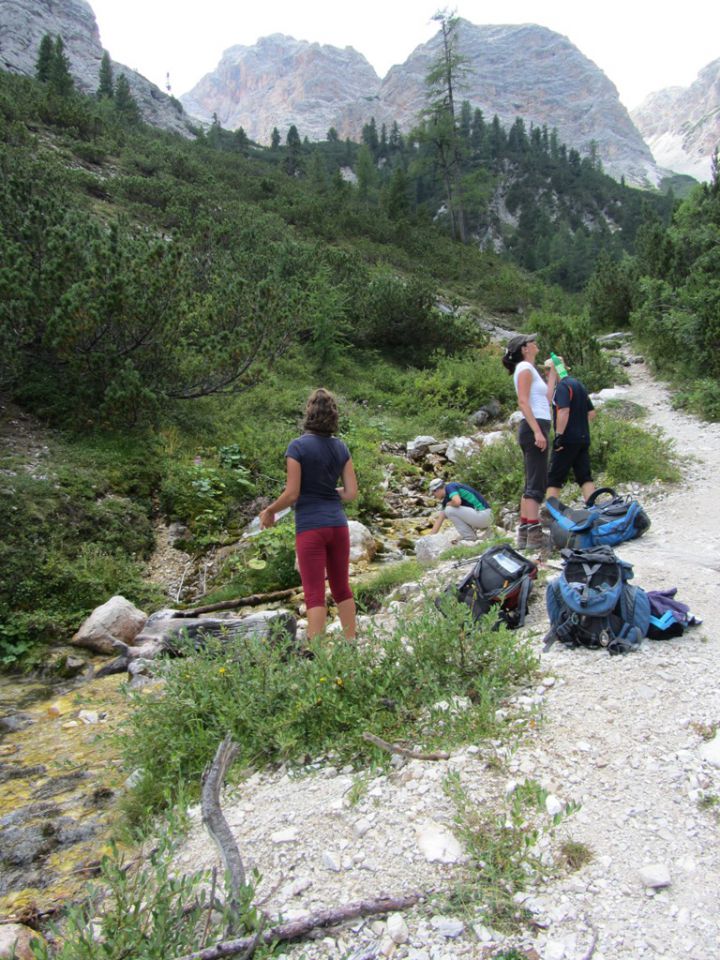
x: 466, y: 509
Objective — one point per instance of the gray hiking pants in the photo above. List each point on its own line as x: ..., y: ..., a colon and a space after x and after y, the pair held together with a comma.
x: 467, y: 521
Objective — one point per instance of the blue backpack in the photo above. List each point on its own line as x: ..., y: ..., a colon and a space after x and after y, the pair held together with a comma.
x: 591, y: 603
x: 608, y: 522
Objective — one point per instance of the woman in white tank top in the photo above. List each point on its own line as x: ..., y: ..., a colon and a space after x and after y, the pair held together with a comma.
x: 534, y: 403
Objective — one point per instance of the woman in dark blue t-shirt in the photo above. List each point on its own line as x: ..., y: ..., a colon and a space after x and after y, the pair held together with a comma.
x: 315, y: 461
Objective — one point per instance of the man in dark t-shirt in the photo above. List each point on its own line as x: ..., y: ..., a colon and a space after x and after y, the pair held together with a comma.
x: 572, y: 410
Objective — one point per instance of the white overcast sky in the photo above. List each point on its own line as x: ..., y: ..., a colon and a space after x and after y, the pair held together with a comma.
x: 641, y: 46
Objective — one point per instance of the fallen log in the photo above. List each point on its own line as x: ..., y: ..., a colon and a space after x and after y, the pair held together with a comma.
x: 403, y: 751
x: 297, y: 929
x: 254, y: 600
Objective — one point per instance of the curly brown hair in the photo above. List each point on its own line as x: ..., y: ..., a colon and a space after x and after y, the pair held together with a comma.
x: 321, y: 412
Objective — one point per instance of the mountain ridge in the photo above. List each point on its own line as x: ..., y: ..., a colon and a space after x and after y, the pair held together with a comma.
x: 563, y: 90
x: 682, y: 124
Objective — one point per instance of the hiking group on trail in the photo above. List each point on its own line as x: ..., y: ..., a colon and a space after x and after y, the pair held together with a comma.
x: 590, y: 603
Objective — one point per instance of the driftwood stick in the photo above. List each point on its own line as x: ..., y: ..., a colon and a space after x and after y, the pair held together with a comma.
x: 213, y: 779
x: 298, y: 929
x: 593, y: 943
x: 252, y: 601
x: 404, y: 751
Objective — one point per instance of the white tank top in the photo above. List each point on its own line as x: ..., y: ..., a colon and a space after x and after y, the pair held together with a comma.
x: 539, y: 403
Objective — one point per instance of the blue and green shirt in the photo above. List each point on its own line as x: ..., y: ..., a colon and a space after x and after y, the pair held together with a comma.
x: 468, y: 495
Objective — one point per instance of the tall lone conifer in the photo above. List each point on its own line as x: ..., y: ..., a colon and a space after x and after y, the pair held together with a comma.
x: 44, y: 58
x: 441, y: 129
x: 60, y: 78
x: 125, y: 104
x: 106, y: 86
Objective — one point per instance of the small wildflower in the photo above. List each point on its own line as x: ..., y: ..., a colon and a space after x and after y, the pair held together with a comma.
x: 322, y: 680
x: 222, y: 671
x: 339, y: 681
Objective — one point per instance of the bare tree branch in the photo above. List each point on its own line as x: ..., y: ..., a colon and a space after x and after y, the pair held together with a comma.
x: 298, y: 929
x: 213, y: 779
x: 404, y: 751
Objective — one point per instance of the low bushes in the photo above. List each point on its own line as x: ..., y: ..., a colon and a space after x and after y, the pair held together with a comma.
x: 281, y: 706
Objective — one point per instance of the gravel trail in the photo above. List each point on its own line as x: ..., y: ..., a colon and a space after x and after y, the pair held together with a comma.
x: 630, y: 739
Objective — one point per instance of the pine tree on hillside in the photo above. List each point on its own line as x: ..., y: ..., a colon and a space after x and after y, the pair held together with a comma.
x: 44, y: 58
x: 441, y: 129
x: 60, y: 79
x: 106, y: 86
x: 125, y: 104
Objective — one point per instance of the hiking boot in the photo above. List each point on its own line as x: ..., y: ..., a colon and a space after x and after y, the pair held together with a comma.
x: 522, y: 536
x: 537, y: 539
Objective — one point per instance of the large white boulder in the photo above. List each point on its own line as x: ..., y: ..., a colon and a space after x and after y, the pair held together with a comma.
x: 362, y: 543
x: 118, y: 619
x: 458, y: 445
x: 493, y: 436
x: 429, y: 548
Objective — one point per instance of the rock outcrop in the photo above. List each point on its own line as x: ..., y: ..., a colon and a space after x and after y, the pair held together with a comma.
x: 682, y: 124
x: 531, y: 72
x: 527, y: 71
x: 24, y: 23
x: 281, y: 81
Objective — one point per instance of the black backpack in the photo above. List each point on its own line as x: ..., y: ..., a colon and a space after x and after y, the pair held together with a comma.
x: 591, y: 603
x: 501, y: 578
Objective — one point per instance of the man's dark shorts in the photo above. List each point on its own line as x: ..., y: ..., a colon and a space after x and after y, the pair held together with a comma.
x: 573, y: 456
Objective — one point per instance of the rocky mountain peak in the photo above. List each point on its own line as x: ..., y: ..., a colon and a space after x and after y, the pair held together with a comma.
x: 682, y: 124
x: 280, y: 81
x: 520, y: 70
x: 24, y: 23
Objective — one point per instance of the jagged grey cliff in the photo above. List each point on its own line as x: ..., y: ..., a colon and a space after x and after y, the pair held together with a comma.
x: 682, y: 124
x: 23, y: 24
x: 281, y: 81
x: 527, y: 71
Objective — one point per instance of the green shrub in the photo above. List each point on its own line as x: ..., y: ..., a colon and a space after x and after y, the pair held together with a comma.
x: 265, y: 563
x: 497, y: 471
x: 148, y: 911
x: 203, y: 495
x: 460, y: 385
x: 370, y: 591
x: 74, y: 530
x: 279, y: 706
x: 702, y: 397
x: 622, y: 452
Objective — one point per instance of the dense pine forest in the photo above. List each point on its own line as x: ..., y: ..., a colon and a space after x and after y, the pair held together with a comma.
x: 166, y: 305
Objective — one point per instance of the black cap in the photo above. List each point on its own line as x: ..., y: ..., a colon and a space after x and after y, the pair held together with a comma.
x: 514, y: 343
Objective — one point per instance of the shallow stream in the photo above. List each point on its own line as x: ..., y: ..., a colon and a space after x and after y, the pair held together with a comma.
x: 61, y: 772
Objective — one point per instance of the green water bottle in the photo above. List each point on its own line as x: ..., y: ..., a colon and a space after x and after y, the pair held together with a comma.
x: 559, y: 365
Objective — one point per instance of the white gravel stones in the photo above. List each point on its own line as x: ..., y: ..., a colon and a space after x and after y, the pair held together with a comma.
x: 397, y: 929
x: 447, y: 927
x: 438, y: 844
x: 289, y: 835
x: 655, y: 875
x: 710, y: 751
x: 361, y: 827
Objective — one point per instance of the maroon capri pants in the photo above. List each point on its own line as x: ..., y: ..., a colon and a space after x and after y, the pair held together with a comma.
x: 320, y: 552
